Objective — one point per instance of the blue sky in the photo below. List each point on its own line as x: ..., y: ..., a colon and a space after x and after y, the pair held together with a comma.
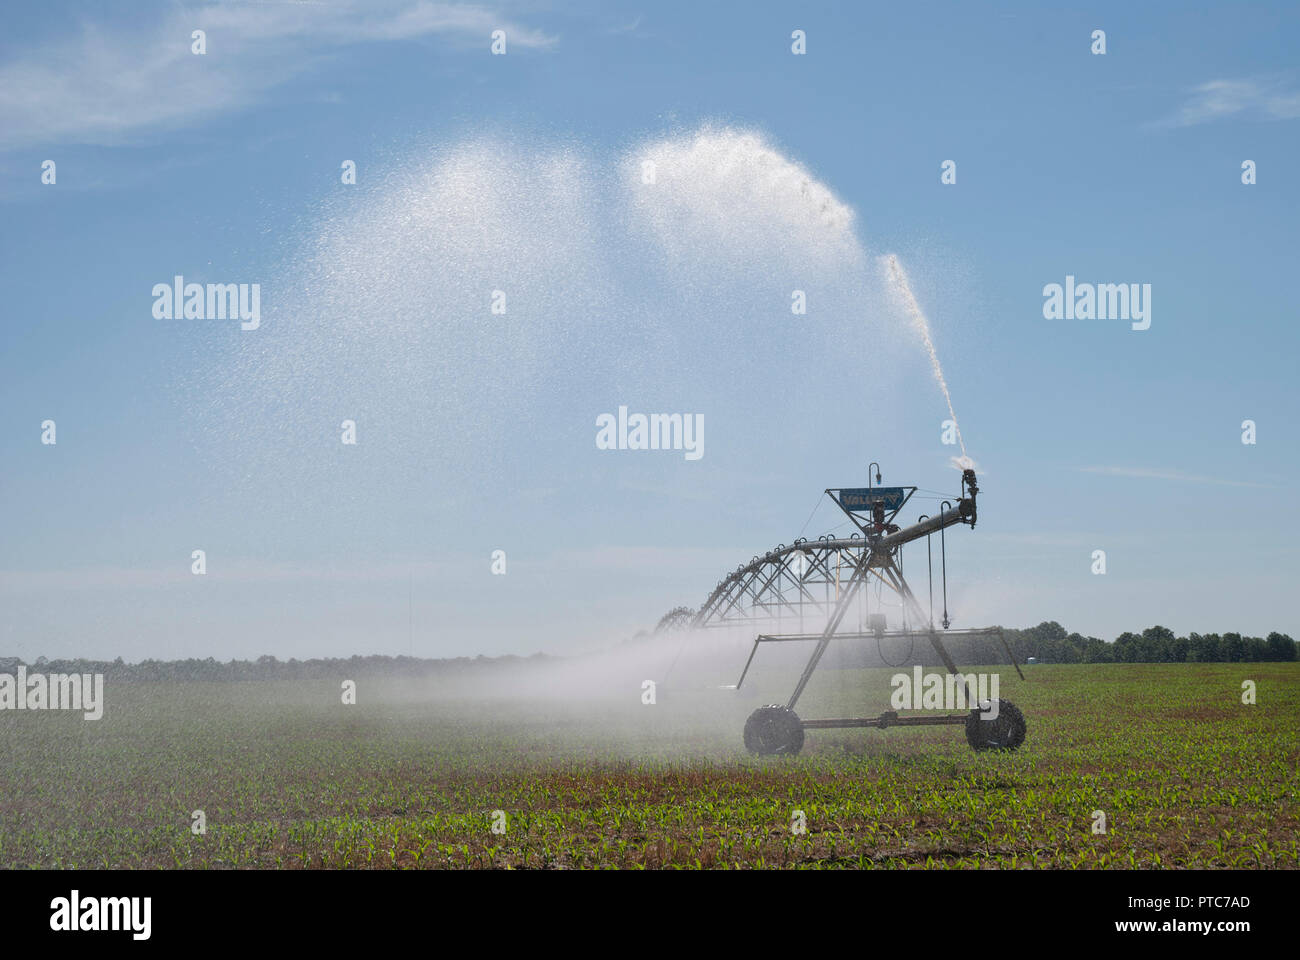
x: 521, y: 172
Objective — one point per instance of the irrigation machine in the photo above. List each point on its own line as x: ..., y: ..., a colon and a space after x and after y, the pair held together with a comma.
x: 824, y: 579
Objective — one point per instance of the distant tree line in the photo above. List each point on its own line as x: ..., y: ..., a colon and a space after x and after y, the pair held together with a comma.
x: 1049, y: 643
x: 269, y: 668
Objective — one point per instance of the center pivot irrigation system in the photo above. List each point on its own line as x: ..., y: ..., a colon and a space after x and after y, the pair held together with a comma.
x: 825, y: 579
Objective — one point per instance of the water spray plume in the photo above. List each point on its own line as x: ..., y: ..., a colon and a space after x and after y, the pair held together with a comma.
x: 725, y: 194
x: 898, y: 277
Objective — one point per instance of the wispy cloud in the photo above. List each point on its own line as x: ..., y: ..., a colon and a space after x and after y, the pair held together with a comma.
x: 1065, y: 539
x: 1176, y: 476
x: 235, y: 571
x: 635, y: 561
x: 630, y: 27
x: 1245, y: 98
x: 104, y: 84
x: 646, y: 561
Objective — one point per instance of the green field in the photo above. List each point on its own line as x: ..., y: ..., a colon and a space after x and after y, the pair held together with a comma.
x: 289, y: 777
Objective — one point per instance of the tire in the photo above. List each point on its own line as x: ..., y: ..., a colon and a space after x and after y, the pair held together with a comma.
x: 1004, y: 732
x: 774, y: 729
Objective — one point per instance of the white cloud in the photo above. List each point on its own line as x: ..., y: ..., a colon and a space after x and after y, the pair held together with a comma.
x: 1221, y: 99
x: 1154, y: 473
x: 103, y: 85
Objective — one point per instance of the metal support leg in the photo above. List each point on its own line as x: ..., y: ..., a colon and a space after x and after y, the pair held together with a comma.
x: 846, y: 599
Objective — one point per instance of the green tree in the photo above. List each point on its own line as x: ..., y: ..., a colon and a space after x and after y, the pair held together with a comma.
x: 1128, y: 648
x: 1156, y: 644
x: 1098, y: 651
x: 1280, y: 646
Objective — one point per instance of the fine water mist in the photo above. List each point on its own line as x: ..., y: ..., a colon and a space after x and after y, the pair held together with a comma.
x: 487, y: 288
